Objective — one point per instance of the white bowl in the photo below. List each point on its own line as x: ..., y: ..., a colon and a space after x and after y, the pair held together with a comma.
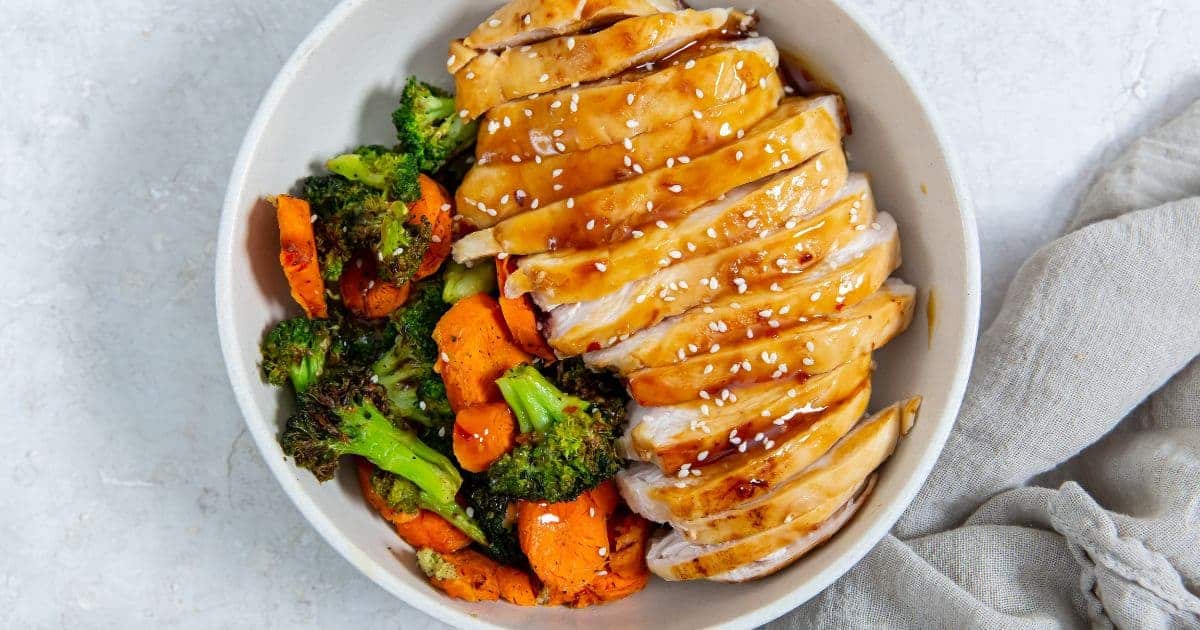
x: 338, y: 89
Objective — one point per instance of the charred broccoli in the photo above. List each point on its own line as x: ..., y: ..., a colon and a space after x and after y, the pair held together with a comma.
x: 568, y: 445
x: 344, y: 414
x: 403, y: 495
x: 430, y: 127
x: 353, y: 216
x: 497, y: 517
x: 405, y: 372
x: 382, y: 169
x: 296, y: 350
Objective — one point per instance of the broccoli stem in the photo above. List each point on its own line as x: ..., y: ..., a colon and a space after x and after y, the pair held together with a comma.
x: 535, y: 401
x: 353, y: 167
x: 462, y: 281
x: 371, y: 435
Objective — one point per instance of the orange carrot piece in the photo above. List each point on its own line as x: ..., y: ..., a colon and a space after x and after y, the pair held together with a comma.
x: 482, y: 434
x: 481, y: 579
x: 365, y: 469
x: 430, y: 530
x: 520, y: 315
x: 367, y: 296
x: 298, y: 254
x: 435, y: 207
x: 563, y: 541
x: 626, y: 572
x: 475, y: 349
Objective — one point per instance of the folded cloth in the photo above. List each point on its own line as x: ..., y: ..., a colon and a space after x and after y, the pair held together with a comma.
x: 1068, y: 494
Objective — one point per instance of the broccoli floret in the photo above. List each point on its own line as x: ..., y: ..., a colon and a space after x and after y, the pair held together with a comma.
x: 429, y: 126
x: 568, y: 446
x: 403, y: 495
x: 359, y: 342
x: 346, y: 415
x: 405, y: 372
x: 603, y: 389
x: 380, y: 168
x: 497, y: 516
x: 353, y: 216
x: 462, y: 281
x: 296, y: 350
x: 435, y: 566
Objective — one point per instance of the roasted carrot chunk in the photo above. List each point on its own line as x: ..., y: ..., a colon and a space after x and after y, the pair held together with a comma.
x: 482, y: 434
x: 298, y: 254
x: 367, y: 296
x: 430, y: 530
x: 471, y: 576
x: 433, y: 207
x: 564, y: 541
x: 521, y: 316
x: 626, y: 572
x: 475, y: 349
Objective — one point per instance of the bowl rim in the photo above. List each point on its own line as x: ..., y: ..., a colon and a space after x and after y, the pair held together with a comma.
x: 432, y: 603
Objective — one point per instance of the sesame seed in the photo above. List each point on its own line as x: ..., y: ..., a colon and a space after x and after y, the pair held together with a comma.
x: 703, y: 455
x: 629, y: 98
x: 628, y: 144
x: 712, y: 233
x: 725, y: 129
x: 650, y: 206
x: 445, y: 358
x: 570, y: 202
x: 741, y: 134
x: 507, y: 121
x: 699, y: 93
x: 462, y: 113
x: 493, y: 22
x: 548, y: 518
x: 807, y: 361
x: 601, y: 267
x: 562, y: 148
x: 544, y: 78
x: 662, y: 225
x: 555, y: 104
x: 312, y: 218
x: 637, y: 234
x: 740, y: 64
x: 808, y: 345
x: 816, y: 295
x: 696, y: 113
x: 556, y: 172
x: 516, y: 159
x: 557, y: 133
x: 675, y: 253
x: 570, y: 43
x: 631, y: 123
x: 470, y: 75
x: 451, y: 60
x: 739, y: 155
x: 690, y: 64
x: 676, y: 188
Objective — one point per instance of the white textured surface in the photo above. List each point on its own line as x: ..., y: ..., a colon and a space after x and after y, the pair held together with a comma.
x: 131, y: 496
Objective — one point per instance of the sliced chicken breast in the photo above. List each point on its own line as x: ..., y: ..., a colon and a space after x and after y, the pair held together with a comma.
x: 494, y: 78
x: 760, y: 463
x: 686, y: 282
x: 695, y: 80
x: 509, y: 188
x: 842, y: 469
x: 674, y: 558
x: 780, y: 141
x: 849, y: 275
x: 788, y: 554
x: 812, y: 348
x: 700, y: 431
x: 524, y: 21
x: 747, y: 212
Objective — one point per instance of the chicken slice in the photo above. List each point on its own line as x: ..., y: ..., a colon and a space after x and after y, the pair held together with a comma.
x: 674, y: 558
x: 788, y: 554
x: 524, y: 21
x: 845, y: 278
x: 780, y: 141
x: 699, y: 431
x: 494, y: 78
x: 747, y: 212
x: 509, y: 188
x: 686, y: 282
x: 769, y: 458
x: 812, y: 348
x: 844, y: 467
x: 698, y: 79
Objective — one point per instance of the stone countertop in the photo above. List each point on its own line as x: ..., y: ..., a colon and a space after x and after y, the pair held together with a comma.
x: 132, y: 495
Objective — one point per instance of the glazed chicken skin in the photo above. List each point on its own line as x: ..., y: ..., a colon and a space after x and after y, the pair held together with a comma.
x: 492, y: 78
x: 526, y: 21
x: 552, y: 124
x: 676, y: 215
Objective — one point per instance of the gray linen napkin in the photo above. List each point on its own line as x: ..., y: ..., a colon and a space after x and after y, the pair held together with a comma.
x: 1068, y: 494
